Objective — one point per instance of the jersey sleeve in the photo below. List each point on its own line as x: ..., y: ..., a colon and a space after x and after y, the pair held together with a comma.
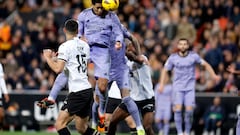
x: 81, y: 24
x: 116, y: 28
x: 126, y: 33
x: 169, y: 64
x: 198, y: 59
x: 62, y: 52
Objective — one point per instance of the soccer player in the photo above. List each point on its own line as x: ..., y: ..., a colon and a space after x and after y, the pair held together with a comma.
x: 96, y: 26
x: 3, y: 91
x: 72, y: 58
x: 183, y: 65
x: 141, y: 92
x: 119, y: 72
x: 163, y: 109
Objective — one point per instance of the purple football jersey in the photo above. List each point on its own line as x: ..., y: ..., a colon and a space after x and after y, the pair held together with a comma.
x: 184, y: 70
x: 98, y: 29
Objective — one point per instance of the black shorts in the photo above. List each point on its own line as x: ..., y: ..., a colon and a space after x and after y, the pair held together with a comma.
x: 112, y: 104
x: 144, y: 106
x: 79, y: 103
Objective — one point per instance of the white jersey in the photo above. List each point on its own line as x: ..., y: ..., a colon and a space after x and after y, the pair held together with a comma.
x: 76, y: 54
x: 141, y: 87
x: 3, y: 88
x: 114, y: 91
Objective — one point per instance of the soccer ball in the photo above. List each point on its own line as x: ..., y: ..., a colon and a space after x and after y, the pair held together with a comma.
x: 110, y: 5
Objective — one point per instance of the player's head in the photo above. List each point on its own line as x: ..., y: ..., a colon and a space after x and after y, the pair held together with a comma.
x: 71, y: 27
x: 97, y: 7
x: 183, y: 45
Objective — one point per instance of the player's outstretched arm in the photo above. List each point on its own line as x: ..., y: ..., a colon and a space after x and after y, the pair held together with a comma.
x: 214, y: 76
x: 161, y: 80
x: 59, y: 83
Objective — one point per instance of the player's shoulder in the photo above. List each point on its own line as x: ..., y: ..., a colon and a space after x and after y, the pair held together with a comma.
x: 87, y: 10
x: 173, y: 55
x: 192, y: 53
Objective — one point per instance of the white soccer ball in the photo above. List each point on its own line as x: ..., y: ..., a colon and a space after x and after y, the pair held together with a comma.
x: 110, y: 5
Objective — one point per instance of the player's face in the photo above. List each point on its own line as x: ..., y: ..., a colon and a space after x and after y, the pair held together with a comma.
x: 183, y: 46
x: 98, y: 9
x: 130, y: 48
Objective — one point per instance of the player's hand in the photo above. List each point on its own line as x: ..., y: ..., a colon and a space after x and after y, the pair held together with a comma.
x: 46, y: 103
x: 7, y: 98
x: 217, y: 79
x: 48, y: 53
x: 118, y: 45
x: 231, y: 69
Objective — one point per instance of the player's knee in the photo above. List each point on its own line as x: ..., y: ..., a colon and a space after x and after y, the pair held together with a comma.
x: 1, y: 113
x: 102, y: 86
x: 81, y: 129
x: 59, y: 125
x: 148, y: 128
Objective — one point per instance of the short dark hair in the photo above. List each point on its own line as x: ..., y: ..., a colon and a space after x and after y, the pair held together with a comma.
x: 96, y: 1
x: 71, y: 26
x: 184, y: 40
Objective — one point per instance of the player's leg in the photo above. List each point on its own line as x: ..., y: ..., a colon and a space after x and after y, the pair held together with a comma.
x: 81, y: 124
x: 61, y: 123
x: 166, y: 120
x: 123, y: 84
x: 147, y: 109
x: 131, y: 124
x: 238, y: 126
x: 158, y: 119
x: 178, y: 101
x: 132, y: 108
x: 1, y: 116
x: 189, y: 107
x: 101, y: 60
x: 119, y: 114
x: 95, y: 111
x: 112, y: 104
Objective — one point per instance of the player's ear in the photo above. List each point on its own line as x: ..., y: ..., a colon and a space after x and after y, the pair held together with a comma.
x: 64, y: 29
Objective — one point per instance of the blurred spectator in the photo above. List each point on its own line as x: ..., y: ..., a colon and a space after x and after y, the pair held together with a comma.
x: 5, y: 37
x: 186, y: 30
x: 213, y: 117
x: 13, y: 116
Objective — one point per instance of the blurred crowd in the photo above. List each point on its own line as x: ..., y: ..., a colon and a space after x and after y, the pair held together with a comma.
x: 212, y: 27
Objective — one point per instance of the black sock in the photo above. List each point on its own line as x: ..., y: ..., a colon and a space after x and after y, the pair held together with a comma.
x: 91, y: 131
x: 64, y: 131
x: 133, y: 131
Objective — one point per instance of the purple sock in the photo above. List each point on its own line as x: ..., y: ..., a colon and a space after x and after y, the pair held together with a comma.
x: 133, y: 110
x: 94, y: 112
x: 166, y: 129
x: 188, y: 121
x: 178, y: 121
x: 102, y: 100
x: 159, y: 125
x: 238, y: 126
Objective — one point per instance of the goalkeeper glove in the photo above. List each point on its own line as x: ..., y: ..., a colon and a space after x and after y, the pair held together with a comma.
x: 46, y: 103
